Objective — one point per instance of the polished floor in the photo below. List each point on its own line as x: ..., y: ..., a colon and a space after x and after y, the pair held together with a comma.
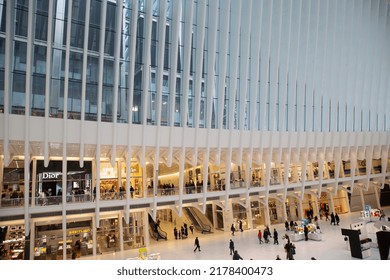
x: 215, y: 246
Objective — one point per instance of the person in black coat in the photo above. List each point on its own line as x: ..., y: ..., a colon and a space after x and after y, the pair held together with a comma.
x: 236, y: 256
x: 337, y: 219
x: 306, y: 231
x: 276, y: 240
x: 332, y: 219
x: 266, y: 234
x: 197, y: 246
x: 175, y: 232
x: 231, y: 247
x: 233, y: 229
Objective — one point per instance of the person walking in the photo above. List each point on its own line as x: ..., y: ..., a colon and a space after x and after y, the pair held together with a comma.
x: 290, y: 250
x: 231, y: 247
x: 233, y: 229
x: 306, y: 232
x: 260, y: 236
x: 236, y: 256
x: 197, y: 245
x: 332, y: 219
x: 240, y: 226
x: 266, y: 234
x: 175, y: 232
x: 286, y: 225
x: 276, y: 235
x: 326, y: 216
x: 337, y: 219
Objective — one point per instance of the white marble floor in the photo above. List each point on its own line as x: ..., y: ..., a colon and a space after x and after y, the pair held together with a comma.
x: 215, y: 246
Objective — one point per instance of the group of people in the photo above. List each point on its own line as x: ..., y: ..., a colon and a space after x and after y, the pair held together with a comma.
x: 290, y: 226
x: 334, y: 219
x: 183, y: 232
x: 289, y: 248
x: 236, y: 255
x: 233, y: 228
x: 266, y: 234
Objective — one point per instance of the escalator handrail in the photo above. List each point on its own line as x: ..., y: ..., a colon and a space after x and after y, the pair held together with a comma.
x: 161, y: 233
x: 194, y: 220
x: 201, y: 226
x: 205, y: 227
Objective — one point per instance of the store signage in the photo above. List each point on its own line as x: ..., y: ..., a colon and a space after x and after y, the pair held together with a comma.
x: 78, y: 231
x: 50, y: 175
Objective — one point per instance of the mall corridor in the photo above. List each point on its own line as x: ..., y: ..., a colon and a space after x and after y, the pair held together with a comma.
x: 215, y: 246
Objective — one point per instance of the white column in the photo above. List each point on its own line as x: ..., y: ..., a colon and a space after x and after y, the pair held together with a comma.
x: 120, y: 220
x: 94, y: 236
x: 267, y: 220
x: 119, y: 172
x: 48, y: 83
x: 148, y: 21
x: 249, y: 215
x: 33, y: 177
x: 118, y: 36
x: 84, y: 80
x: 315, y: 206
x: 331, y: 202
x: 228, y: 216
x: 29, y: 69
x: 102, y: 34
x: 300, y: 209
x: 145, y: 221
x: 1, y: 176
x: 284, y: 209
x: 223, y: 33
x: 347, y: 201
x: 32, y: 239
x: 174, y: 39
x: 8, y: 65
x: 377, y: 198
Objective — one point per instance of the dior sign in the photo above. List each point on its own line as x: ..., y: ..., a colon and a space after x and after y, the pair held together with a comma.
x: 50, y: 175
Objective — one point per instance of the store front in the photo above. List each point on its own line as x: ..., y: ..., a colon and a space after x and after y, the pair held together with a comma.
x: 258, y: 214
x: 239, y: 214
x: 113, y: 181
x: 12, y: 189
x: 12, y: 242
x: 133, y: 232
x: 49, y: 182
x: 275, y: 208
x: 107, y: 235
x: 292, y: 208
x: 49, y: 243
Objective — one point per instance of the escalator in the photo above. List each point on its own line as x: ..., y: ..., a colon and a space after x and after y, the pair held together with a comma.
x: 220, y: 223
x: 155, y: 230
x: 199, y: 221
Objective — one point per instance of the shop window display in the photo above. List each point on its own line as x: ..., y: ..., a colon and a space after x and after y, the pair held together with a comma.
x: 12, y: 189
x: 12, y: 242
x: 108, y: 235
x: 49, y: 244
x: 133, y: 232
x: 376, y: 166
x: 49, y: 189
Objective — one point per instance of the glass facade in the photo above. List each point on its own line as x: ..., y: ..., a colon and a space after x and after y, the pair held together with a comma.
x: 223, y: 89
